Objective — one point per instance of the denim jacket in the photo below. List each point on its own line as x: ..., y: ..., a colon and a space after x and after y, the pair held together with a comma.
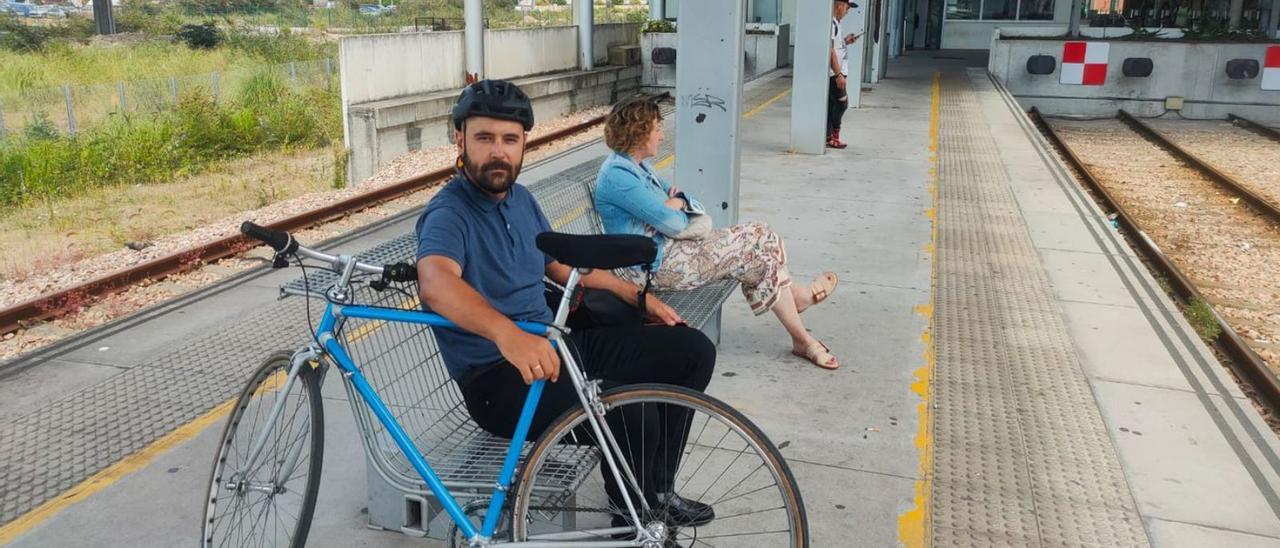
x: 631, y: 199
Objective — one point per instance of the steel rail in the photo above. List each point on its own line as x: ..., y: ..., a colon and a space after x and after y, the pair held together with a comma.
x: 1265, y: 131
x: 57, y: 303
x: 1259, y: 203
x: 1245, y: 362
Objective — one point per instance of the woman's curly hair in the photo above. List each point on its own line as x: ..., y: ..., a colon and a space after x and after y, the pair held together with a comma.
x: 630, y: 122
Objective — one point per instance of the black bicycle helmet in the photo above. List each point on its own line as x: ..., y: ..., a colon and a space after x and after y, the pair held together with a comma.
x: 494, y: 99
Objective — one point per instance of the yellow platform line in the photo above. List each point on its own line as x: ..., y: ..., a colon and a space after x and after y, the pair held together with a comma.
x: 111, y: 474
x: 913, y: 525
x: 143, y: 457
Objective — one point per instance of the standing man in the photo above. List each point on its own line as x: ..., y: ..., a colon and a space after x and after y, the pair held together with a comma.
x: 838, y: 72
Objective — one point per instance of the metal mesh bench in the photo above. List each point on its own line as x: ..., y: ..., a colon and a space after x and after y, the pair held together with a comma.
x: 402, y: 362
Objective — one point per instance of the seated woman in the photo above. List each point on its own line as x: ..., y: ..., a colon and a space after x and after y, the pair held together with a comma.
x: 631, y: 199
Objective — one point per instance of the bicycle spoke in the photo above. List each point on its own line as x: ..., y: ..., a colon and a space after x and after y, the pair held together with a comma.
x: 710, y: 439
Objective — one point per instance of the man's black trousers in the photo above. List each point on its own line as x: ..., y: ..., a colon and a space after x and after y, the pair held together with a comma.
x: 837, y: 103
x: 616, y: 356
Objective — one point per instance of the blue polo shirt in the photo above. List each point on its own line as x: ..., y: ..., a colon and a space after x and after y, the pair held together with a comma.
x: 493, y: 241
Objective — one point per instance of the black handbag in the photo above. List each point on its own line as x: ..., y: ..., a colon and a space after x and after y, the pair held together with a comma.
x: 593, y: 308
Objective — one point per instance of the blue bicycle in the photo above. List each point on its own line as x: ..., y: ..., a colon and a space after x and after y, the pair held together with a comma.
x: 266, y: 474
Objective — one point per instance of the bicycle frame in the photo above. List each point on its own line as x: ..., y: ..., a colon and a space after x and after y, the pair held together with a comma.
x: 588, y: 393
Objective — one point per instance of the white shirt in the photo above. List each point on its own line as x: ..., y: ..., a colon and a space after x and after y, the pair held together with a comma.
x: 842, y: 50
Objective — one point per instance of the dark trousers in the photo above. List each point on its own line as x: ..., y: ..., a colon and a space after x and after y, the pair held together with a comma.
x: 616, y: 356
x: 837, y: 103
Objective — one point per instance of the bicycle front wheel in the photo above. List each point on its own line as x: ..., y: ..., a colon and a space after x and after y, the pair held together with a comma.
x: 270, y: 501
x: 672, y: 440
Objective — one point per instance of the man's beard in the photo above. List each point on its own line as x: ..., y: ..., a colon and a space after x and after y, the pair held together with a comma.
x: 494, y: 177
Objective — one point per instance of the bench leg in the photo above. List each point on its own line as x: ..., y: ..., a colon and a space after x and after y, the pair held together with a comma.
x: 712, y: 328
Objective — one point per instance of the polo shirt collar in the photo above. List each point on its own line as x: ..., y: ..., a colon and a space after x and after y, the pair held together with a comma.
x: 480, y: 198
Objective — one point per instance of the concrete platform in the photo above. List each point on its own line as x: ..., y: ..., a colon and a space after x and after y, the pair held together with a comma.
x: 1012, y: 375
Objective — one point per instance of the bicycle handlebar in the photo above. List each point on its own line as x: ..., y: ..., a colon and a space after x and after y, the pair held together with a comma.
x: 285, y: 244
x: 278, y: 240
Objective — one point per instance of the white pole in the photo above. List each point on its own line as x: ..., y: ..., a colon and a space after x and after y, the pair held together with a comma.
x: 586, y: 55
x: 473, y: 14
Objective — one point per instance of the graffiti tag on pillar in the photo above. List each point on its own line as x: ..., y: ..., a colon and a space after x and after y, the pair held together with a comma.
x: 704, y: 100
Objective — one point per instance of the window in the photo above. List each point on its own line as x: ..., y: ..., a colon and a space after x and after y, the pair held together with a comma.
x: 963, y: 9
x: 1000, y: 10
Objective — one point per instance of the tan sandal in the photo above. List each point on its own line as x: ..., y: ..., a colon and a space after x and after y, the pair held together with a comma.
x: 819, y: 354
x: 821, y: 288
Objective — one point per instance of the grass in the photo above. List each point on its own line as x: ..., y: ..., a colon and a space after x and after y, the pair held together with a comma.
x: 65, y: 62
x: 1203, y: 320
x: 266, y: 115
x: 56, y: 232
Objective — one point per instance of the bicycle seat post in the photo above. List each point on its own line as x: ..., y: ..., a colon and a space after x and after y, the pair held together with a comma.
x: 566, y: 301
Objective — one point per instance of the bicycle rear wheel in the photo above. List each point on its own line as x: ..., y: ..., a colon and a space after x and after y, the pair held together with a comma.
x: 268, y: 505
x: 724, y: 461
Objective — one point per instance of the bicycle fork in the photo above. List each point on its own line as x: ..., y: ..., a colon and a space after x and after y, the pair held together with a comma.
x: 302, y: 358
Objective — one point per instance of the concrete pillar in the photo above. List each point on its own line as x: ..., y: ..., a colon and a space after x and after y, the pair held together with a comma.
x: 656, y: 9
x: 104, y: 19
x: 709, y: 73
x: 809, y: 76
x: 473, y: 14
x: 586, y: 23
x: 1275, y: 19
x: 1235, y: 13
x: 1073, y: 24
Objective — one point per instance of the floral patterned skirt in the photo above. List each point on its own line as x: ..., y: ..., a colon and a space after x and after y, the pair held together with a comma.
x: 751, y: 253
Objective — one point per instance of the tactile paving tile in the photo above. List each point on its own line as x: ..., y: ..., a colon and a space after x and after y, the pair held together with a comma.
x: 56, y: 447
x: 1021, y: 455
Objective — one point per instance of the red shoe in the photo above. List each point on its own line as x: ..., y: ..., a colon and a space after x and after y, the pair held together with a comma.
x: 833, y: 140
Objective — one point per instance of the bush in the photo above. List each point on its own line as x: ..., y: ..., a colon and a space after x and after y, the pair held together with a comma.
x: 204, y: 36
x: 42, y: 163
x: 659, y: 25
x: 18, y: 36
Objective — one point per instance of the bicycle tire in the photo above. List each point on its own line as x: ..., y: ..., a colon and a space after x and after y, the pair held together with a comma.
x: 565, y: 425
x: 266, y: 381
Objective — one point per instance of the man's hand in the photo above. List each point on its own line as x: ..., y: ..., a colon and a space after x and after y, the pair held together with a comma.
x: 661, y: 312
x: 851, y: 39
x: 840, y: 81
x: 532, y: 355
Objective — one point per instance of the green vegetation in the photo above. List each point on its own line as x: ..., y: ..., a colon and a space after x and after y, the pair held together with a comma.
x: 42, y: 164
x: 658, y: 25
x: 1202, y: 319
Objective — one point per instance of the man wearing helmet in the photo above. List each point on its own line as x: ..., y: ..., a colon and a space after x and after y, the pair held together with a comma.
x: 478, y: 266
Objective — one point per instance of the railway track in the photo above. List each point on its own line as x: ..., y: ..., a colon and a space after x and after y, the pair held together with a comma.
x: 1265, y: 131
x: 1149, y: 228
x: 1261, y: 203
x: 52, y: 305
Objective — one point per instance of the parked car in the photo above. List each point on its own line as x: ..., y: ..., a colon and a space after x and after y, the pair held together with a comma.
x: 47, y: 11
x: 19, y: 8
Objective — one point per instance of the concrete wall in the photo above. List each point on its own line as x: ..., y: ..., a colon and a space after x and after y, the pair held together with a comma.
x: 381, y: 131
x: 397, y: 89
x: 517, y: 52
x: 381, y: 66
x: 607, y: 35
x: 764, y: 52
x: 1196, y: 72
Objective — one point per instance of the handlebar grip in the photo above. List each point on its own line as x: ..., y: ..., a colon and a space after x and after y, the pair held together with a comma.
x: 277, y: 240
